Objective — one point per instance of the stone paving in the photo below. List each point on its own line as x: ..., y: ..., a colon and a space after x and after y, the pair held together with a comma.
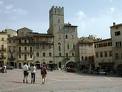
x: 59, y: 81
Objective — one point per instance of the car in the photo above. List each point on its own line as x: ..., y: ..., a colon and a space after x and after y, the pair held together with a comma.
x: 70, y: 69
x: 102, y: 72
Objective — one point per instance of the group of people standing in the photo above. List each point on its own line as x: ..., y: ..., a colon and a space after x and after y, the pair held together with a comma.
x: 32, y: 70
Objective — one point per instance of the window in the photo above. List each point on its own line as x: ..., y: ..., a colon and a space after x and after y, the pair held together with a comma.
x: 59, y: 54
x: 50, y: 54
x: 66, y: 54
x: 25, y: 41
x: 73, y: 54
x: 37, y: 54
x: 118, y: 44
x: 72, y: 36
x: 25, y: 57
x: 43, y: 46
x: 66, y: 37
x: 9, y: 41
x: 19, y: 40
x: 59, y: 47
x: 67, y: 46
x: 2, y: 39
x: 25, y: 48
x: 19, y: 49
x: 30, y: 55
x: 97, y: 54
x: 73, y: 46
x: 19, y: 55
x: 59, y: 28
x: 9, y: 35
x: 117, y: 33
x: 2, y: 46
x: 95, y: 45
x: 86, y: 58
x: 30, y: 49
x: 49, y: 46
x: 109, y: 43
x: 105, y: 53
x: 110, y: 53
x: 58, y: 20
x: 101, y: 54
x: 43, y: 54
x: 82, y: 58
x: 116, y: 56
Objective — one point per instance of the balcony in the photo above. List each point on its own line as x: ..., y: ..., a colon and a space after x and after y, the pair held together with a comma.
x: 25, y: 52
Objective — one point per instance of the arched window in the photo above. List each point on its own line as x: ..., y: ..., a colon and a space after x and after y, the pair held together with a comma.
x: 59, y: 54
x: 37, y: 54
x: 50, y: 54
x: 67, y: 46
x: 59, y: 47
x: 73, y: 54
x: 43, y: 54
x: 66, y: 54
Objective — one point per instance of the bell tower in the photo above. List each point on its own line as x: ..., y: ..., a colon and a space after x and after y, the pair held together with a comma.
x: 56, y: 19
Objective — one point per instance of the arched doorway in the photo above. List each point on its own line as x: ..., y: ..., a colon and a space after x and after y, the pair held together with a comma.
x: 59, y: 65
x: 37, y: 63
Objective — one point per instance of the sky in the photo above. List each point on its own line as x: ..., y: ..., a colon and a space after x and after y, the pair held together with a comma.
x: 93, y: 17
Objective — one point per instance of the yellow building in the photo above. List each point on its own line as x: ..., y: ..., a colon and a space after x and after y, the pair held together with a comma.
x: 4, y: 35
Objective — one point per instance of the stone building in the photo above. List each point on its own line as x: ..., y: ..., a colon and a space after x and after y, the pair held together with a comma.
x: 65, y: 36
x: 57, y: 46
x: 4, y: 35
x: 116, y: 35
x: 103, y: 54
x: 86, y: 53
x: 29, y: 47
x: 43, y: 49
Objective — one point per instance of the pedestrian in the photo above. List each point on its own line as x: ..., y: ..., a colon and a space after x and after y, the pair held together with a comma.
x: 33, y: 73
x: 43, y: 72
x: 4, y: 69
x: 25, y: 72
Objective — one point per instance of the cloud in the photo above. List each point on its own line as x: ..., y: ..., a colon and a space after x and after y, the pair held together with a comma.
x: 15, y: 11
x: 96, y: 25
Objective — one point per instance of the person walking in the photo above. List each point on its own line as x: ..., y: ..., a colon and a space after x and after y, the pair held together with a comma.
x: 25, y: 72
x: 5, y: 70
x: 43, y: 72
x: 33, y: 73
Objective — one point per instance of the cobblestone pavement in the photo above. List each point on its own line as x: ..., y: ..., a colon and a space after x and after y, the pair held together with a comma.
x: 59, y: 81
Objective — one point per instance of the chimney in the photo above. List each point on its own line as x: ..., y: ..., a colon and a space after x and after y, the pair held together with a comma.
x: 114, y: 23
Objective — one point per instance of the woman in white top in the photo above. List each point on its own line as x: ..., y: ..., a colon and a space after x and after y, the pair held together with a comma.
x: 25, y: 71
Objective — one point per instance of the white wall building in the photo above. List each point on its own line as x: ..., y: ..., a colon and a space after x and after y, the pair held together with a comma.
x: 116, y: 35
